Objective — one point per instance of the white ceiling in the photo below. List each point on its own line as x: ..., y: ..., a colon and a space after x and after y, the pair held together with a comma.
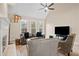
x: 27, y: 10
x: 32, y: 9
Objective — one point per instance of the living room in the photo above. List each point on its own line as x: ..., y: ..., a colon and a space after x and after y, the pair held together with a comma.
x: 23, y: 18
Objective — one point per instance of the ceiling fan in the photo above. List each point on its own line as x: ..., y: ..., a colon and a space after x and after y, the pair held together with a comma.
x: 47, y: 7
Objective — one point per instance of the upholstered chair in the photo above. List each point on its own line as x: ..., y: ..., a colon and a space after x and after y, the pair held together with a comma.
x: 65, y: 47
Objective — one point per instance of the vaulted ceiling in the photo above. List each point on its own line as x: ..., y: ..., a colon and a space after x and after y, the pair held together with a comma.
x: 27, y: 10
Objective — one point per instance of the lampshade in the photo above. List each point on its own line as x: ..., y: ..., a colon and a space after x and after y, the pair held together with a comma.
x: 16, y: 18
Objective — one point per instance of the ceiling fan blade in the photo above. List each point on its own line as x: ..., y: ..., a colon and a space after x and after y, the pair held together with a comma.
x: 51, y: 8
x: 51, y: 4
x: 42, y: 4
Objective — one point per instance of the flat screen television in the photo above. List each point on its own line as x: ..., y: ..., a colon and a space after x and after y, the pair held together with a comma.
x: 62, y: 30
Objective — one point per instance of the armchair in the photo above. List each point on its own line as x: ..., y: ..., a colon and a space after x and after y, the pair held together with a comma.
x: 66, y: 47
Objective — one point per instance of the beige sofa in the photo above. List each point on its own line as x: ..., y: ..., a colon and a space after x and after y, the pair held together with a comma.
x: 43, y: 47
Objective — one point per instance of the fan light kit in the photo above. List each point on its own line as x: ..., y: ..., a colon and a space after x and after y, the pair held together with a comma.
x: 46, y: 7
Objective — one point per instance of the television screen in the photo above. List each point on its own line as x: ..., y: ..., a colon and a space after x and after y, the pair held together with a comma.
x: 63, y: 30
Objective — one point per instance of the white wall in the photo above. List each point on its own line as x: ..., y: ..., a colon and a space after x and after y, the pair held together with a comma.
x: 0, y: 37
x: 3, y: 10
x: 49, y: 30
x: 65, y: 15
x: 4, y: 32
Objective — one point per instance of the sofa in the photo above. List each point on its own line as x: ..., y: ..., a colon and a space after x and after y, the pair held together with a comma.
x: 43, y: 47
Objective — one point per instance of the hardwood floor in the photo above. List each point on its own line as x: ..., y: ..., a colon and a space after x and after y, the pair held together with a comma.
x: 10, y: 50
x: 21, y: 50
x: 13, y: 50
